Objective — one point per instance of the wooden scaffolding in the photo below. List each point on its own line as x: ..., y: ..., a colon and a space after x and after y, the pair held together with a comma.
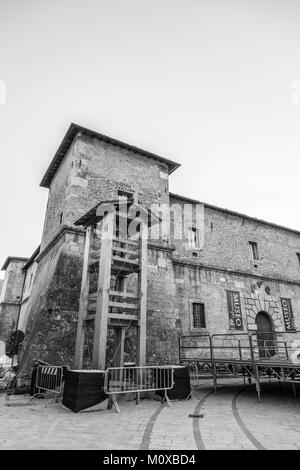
x: 114, y: 282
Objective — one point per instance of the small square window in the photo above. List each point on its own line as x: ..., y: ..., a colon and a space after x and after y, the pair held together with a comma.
x: 253, y: 250
x: 125, y: 195
x: 199, y: 316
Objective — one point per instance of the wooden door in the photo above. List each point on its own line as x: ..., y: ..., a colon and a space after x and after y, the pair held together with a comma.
x: 265, y: 335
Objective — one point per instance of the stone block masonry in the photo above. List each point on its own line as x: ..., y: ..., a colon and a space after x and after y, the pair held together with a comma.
x: 89, y: 169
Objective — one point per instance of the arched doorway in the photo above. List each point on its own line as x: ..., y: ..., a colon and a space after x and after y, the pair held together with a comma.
x: 266, y: 339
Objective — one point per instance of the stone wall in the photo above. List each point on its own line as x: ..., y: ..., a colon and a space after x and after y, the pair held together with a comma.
x: 11, y: 297
x: 53, y: 305
x: 226, y: 245
x: 210, y: 286
x: 94, y: 171
x: 163, y: 314
x: 57, y: 199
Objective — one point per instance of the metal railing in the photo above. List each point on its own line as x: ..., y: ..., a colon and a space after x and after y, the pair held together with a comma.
x: 49, y: 379
x: 237, y: 347
x: 254, y: 355
x: 119, y: 380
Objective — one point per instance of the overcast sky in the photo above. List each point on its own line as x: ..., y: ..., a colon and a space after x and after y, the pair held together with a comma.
x: 212, y: 84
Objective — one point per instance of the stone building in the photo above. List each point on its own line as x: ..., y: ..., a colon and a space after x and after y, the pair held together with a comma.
x: 243, y: 275
x: 11, y: 296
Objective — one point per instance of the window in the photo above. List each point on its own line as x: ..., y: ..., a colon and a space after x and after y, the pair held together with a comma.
x: 253, y: 250
x: 298, y: 256
x: 125, y: 195
x: 193, y: 237
x: 198, y: 316
x: 61, y: 218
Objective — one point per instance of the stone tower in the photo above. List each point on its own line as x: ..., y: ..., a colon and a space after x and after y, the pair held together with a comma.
x: 87, y: 168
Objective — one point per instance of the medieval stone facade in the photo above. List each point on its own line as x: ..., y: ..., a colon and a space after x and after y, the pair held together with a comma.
x: 189, y: 286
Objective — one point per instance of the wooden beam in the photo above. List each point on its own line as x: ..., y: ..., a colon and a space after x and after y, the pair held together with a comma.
x: 127, y: 241
x: 101, y: 316
x: 124, y: 305
x: 83, y: 302
x: 116, y: 316
x: 135, y: 253
x: 121, y: 305
x: 141, y: 346
x: 125, y: 269
x: 125, y: 260
x: 122, y: 316
x: 119, y: 346
x: 117, y: 293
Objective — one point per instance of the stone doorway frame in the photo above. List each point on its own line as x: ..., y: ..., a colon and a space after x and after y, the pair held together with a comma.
x: 259, y: 301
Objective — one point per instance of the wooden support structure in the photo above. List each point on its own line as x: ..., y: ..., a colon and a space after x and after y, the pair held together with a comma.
x: 119, y: 346
x: 141, y: 342
x: 83, y: 303
x: 113, y: 305
x: 101, y: 316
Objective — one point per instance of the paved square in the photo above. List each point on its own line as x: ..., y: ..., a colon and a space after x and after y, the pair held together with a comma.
x: 232, y: 419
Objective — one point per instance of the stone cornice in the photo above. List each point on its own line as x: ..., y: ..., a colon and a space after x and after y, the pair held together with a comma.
x: 234, y: 272
x: 64, y: 229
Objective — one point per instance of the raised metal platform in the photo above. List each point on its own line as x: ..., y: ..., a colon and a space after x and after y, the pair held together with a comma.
x: 243, y: 355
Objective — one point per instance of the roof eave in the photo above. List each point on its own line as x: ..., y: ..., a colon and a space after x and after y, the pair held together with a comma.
x: 71, y: 134
x: 32, y: 258
x: 12, y: 258
x: 234, y: 213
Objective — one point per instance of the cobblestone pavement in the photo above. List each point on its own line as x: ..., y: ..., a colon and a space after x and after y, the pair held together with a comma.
x: 232, y: 419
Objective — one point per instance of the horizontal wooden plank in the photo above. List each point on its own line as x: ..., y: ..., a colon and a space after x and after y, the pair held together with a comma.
x: 93, y: 296
x: 127, y: 240
x: 118, y: 322
x: 123, y: 305
x: 125, y: 268
x: 125, y: 260
x: 92, y: 306
x: 120, y: 316
x: 116, y: 316
x: 120, y: 249
x: 117, y: 293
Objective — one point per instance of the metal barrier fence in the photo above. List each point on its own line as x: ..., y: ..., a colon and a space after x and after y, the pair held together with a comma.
x: 119, y: 380
x: 49, y: 379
